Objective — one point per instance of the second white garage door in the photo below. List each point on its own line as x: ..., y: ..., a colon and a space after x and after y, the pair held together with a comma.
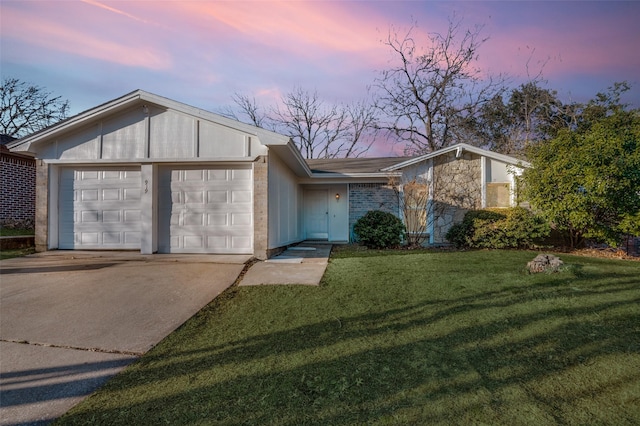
x: 206, y: 210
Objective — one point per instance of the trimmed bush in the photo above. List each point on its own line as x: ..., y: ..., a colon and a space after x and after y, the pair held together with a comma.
x: 461, y: 234
x: 378, y: 229
x: 516, y: 227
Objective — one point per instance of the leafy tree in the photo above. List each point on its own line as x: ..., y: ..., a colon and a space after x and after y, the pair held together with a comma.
x: 428, y: 93
x: 26, y: 108
x: 586, y: 180
x: 529, y: 114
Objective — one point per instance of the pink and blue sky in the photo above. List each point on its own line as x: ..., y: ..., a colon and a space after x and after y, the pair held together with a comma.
x: 202, y: 52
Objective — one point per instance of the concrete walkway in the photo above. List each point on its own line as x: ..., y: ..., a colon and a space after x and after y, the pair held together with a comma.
x: 303, y: 264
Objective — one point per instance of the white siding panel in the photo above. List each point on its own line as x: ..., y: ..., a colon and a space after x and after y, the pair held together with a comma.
x: 123, y: 136
x: 497, y: 171
x: 218, y: 141
x: 172, y: 135
x: 284, y: 204
x: 80, y: 145
x: 98, y: 208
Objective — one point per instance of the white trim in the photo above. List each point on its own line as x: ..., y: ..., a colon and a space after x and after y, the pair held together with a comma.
x: 139, y: 161
x: 460, y: 147
x: 483, y: 182
x: 52, y: 196
x: 148, y: 209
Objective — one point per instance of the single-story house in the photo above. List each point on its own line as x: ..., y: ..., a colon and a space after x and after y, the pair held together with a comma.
x: 143, y: 172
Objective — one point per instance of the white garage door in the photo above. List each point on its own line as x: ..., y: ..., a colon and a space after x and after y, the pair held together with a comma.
x: 99, y: 209
x: 206, y: 210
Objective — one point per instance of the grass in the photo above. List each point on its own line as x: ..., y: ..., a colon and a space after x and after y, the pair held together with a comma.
x: 10, y: 232
x: 397, y: 338
x: 9, y: 253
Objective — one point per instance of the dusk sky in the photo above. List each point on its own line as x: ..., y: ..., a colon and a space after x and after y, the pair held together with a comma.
x: 202, y: 52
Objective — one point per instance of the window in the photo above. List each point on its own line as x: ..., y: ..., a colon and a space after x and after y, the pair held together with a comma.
x: 498, y: 194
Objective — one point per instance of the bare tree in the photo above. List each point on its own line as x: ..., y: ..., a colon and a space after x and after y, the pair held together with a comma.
x: 314, y: 126
x: 434, y: 195
x: 363, y: 120
x: 413, y: 200
x: 428, y: 92
x: 26, y: 108
x: 319, y: 129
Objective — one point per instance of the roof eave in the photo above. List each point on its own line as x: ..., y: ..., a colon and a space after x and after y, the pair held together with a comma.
x: 290, y: 154
x: 464, y: 147
x: 353, y: 175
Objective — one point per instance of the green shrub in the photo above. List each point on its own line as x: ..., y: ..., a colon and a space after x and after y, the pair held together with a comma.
x: 516, y: 227
x: 378, y: 229
x: 461, y: 234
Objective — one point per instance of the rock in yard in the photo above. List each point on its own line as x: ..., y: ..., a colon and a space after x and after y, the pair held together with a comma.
x: 544, y: 263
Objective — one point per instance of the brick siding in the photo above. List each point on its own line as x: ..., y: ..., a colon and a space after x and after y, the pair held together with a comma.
x: 17, y: 190
x: 364, y: 197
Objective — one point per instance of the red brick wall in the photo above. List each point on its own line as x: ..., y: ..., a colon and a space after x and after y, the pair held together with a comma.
x: 17, y: 188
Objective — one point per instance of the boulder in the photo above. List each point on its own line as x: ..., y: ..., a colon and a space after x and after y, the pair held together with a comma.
x: 545, y: 263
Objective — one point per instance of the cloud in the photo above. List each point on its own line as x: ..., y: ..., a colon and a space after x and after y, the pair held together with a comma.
x: 41, y: 32
x: 114, y: 10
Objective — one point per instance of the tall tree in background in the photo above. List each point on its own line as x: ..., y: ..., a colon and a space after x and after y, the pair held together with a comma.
x: 26, y: 108
x: 531, y: 113
x: 319, y: 129
x: 427, y: 93
x: 586, y: 180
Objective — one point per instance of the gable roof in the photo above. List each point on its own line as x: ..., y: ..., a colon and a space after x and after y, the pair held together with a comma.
x: 461, y: 147
x: 281, y: 144
x: 266, y: 137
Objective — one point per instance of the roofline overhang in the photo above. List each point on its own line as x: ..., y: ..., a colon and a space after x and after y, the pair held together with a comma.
x: 353, y: 175
x: 159, y: 161
x: 290, y: 154
x: 266, y: 137
x: 461, y: 147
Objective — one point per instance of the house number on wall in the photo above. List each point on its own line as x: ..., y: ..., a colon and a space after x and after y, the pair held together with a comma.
x: 146, y: 186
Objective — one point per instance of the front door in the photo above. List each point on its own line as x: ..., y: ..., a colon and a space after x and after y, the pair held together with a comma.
x: 316, y: 211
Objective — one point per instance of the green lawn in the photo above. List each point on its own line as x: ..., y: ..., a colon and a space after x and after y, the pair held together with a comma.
x: 399, y: 338
x: 10, y: 232
x: 9, y: 253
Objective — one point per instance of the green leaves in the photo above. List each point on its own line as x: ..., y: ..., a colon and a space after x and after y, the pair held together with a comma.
x: 378, y: 229
x: 587, y: 181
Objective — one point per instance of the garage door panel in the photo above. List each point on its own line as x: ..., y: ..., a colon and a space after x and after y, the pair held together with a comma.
x: 99, y: 209
x: 206, y: 210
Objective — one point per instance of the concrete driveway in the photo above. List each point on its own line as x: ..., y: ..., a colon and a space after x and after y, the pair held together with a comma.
x: 71, y: 320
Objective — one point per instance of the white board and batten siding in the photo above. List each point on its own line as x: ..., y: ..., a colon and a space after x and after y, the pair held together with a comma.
x: 153, y: 171
x: 285, y: 197
x: 99, y: 208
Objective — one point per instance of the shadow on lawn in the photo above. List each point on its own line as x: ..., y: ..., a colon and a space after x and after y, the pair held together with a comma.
x: 427, y: 362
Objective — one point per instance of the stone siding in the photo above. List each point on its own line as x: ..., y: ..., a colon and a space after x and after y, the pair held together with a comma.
x: 17, y: 189
x: 364, y: 197
x: 457, y: 188
x: 261, y: 208
x: 42, y: 206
